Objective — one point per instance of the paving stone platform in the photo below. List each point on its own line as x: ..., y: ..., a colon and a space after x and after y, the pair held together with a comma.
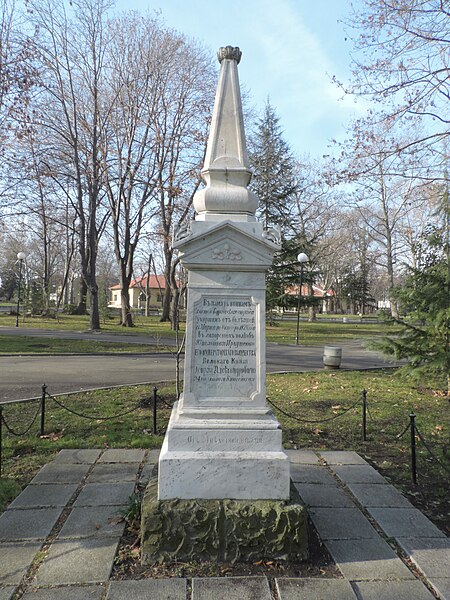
x: 60, y: 535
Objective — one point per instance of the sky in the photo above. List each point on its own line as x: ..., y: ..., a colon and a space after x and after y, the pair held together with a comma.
x: 290, y: 51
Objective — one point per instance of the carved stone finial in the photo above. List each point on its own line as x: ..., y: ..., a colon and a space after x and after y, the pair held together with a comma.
x: 230, y: 53
x: 226, y: 170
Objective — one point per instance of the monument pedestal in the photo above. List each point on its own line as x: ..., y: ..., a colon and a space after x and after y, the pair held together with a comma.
x: 223, y: 458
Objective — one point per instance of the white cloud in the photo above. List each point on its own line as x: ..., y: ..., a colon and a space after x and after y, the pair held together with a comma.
x: 295, y: 71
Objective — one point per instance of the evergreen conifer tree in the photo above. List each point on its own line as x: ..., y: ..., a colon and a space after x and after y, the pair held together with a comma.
x: 273, y: 167
x: 274, y: 182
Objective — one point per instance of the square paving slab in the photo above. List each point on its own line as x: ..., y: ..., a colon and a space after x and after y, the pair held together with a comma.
x: 341, y: 457
x: 315, y: 589
x: 95, y: 521
x: 149, y: 470
x: 28, y: 524
x: 61, y: 473
x: 302, y: 457
x: 44, y: 495
x: 105, y: 494
x: 111, y: 472
x: 393, y: 590
x: 88, y: 560
x: 405, y: 522
x: 317, y: 494
x: 73, y: 592
x: 231, y: 588
x: 153, y: 456
x: 6, y: 593
x: 378, y: 495
x: 120, y: 455
x: 311, y: 474
x: 148, y: 589
x: 431, y: 555
x: 70, y: 457
x: 367, y: 560
x: 442, y: 587
x: 342, y: 524
x: 358, y: 474
x: 15, y: 558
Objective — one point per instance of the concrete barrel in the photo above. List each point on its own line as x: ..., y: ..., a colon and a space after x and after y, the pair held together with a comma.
x: 332, y: 357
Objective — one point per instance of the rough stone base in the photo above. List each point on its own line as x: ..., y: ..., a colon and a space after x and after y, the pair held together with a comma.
x: 222, y: 530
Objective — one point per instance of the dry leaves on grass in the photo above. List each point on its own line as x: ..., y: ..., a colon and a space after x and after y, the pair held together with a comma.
x: 54, y: 436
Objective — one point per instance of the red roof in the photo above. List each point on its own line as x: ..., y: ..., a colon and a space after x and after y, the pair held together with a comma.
x: 142, y: 282
x: 317, y: 291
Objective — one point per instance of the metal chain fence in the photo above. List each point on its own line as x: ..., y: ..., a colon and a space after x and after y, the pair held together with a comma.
x: 411, y: 426
x: 41, y: 410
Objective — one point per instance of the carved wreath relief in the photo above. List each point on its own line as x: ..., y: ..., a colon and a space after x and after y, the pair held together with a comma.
x: 226, y: 252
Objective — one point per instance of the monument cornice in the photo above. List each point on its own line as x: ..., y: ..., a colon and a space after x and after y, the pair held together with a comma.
x: 196, y: 234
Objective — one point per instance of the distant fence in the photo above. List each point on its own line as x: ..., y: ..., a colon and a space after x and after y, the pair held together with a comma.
x: 42, y: 406
x: 8, y: 309
x: 363, y: 404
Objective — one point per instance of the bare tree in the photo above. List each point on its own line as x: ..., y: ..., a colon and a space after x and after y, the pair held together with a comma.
x: 402, y: 62
x: 384, y: 187
x: 185, y: 97
x: 17, y: 77
x: 71, y: 50
x: 159, y: 86
x: 138, y: 58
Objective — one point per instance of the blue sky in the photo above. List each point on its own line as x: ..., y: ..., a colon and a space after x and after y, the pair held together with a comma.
x: 291, y: 49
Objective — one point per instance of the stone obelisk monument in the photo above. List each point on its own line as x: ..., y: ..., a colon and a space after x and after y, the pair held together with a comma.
x: 222, y: 440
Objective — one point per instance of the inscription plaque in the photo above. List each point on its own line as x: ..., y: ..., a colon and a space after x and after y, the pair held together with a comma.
x: 224, y: 347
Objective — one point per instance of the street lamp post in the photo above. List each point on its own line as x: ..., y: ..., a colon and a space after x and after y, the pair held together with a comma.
x: 20, y: 257
x: 302, y: 259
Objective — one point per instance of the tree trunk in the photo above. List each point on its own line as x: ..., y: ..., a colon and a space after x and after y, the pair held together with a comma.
x: 176, y: 296
x: 82, y: 294
x: 94, y: 319
x: 147, y: 286
x: 165, y: 316
x: 390, y: 273
x: 126, y: 318
x: 175, y: 317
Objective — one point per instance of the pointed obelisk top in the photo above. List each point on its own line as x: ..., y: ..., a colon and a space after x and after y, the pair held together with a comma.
x: 226, y: 170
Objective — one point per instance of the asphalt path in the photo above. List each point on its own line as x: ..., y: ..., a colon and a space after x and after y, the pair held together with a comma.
x: 22, y: 376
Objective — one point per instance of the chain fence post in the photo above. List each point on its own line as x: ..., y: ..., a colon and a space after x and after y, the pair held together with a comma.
x: 412, y: 418
x: 44, y: 393
x: 364, y: 415
x: 155, y: 399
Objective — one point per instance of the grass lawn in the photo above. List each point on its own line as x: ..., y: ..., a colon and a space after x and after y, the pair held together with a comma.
x: 43, y: 345
x: 321, y: 395
x: 307, y: 396
x: 143, y: 325
x: 321, y: 333
x: 318, y: 333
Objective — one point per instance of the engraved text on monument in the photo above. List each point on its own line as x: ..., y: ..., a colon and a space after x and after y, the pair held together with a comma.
x: 224, y: 349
